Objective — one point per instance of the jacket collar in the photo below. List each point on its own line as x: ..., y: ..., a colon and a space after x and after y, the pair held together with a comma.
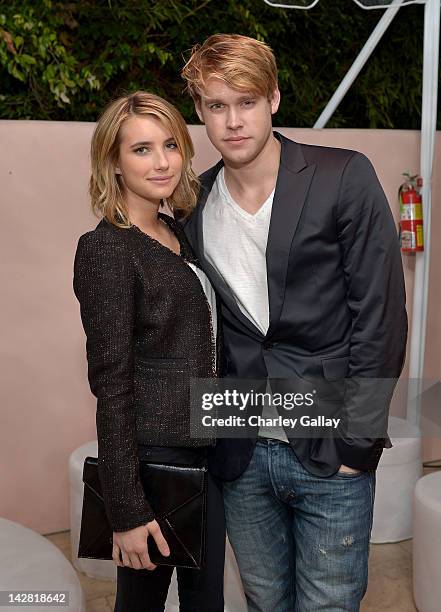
x: 293, y: 181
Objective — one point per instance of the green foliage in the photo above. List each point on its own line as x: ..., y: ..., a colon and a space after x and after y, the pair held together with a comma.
x: 66, y: 60
x: 42, y: 73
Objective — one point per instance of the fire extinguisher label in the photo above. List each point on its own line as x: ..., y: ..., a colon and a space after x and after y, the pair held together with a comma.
x: 408, y: 240
x: 419, y: 236
x: 412, y: 211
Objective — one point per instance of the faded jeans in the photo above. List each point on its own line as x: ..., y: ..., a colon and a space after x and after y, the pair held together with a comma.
x: 301, y: 541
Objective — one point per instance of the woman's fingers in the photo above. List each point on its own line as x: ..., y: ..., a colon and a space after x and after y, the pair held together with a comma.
x: 161, y: 543
x: 135, y: 561
x: 116, y: 552
x: 133, y: 546
x: 146, y: 561
x: 125, y: 558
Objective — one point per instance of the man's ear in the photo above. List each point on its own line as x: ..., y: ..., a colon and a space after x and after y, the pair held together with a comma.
x: 198, y: 109
x: 275, y: 101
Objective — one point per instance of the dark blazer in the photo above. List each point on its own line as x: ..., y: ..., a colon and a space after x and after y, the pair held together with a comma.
x: 336, y: 296
x: 148, y: 329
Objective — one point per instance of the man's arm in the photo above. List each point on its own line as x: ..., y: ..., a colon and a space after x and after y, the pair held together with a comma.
x: 376, y: 297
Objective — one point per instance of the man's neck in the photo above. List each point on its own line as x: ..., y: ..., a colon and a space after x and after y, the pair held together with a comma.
x: 251, y: 184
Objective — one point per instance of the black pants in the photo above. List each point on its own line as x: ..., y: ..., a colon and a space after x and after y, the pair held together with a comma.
x: 199, y: 590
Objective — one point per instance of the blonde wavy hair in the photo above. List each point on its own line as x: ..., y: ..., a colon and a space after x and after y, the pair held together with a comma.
x: 105, y: 187
x: 242, y: 62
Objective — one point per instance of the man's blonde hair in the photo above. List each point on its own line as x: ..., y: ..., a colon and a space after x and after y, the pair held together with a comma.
x: 243, y: 63
x: 105, y: 185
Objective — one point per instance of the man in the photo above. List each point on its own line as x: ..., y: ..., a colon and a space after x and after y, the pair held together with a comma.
x: 300, y: 244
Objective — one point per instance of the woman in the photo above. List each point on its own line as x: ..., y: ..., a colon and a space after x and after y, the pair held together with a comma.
x: 149, y: 316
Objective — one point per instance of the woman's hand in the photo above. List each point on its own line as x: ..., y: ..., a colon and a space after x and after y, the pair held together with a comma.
x: 132, y: 545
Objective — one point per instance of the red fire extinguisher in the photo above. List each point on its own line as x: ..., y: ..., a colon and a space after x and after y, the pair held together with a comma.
x: 411, y: 214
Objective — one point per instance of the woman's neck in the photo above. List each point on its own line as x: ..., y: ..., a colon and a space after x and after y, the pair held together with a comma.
x: 143, y: 213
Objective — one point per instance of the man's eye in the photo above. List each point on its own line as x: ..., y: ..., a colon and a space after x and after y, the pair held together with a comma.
x: 215, y: 106
x: 249, y: 102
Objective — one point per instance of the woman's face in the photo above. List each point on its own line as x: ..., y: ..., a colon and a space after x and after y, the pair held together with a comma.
x: 149, y: 163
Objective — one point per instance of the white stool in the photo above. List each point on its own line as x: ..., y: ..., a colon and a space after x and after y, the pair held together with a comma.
x: 106, y: 570
x: 427, y: 543
x: 399, y: 469
x: 30, y: 562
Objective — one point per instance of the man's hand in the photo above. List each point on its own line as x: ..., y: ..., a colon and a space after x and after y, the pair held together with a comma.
x: 348, y: 470
x: 132, y: 546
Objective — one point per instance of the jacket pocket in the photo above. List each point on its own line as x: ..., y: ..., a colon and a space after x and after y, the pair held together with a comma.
x: 162, y: 401
x: 335, y: 368
x: 159, y: 364
x: 333, y: 385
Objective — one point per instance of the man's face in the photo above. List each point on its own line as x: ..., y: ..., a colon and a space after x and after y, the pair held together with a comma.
x: 238, y: 123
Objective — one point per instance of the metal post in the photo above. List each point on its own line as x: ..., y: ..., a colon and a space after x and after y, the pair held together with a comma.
x: 422, y: 263
x: 358, y: 64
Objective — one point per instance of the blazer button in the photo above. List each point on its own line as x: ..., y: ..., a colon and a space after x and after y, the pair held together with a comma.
x: 268, y: 345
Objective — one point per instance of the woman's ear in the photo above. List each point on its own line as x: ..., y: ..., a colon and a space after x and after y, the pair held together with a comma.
x: 117, y: 170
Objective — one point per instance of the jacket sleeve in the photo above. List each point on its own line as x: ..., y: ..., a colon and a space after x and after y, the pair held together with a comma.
x: 376, y: 298
x: 104, y: 283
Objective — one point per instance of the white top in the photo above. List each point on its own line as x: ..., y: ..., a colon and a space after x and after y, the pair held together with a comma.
x: 209, y: 294
x: 235, y: 245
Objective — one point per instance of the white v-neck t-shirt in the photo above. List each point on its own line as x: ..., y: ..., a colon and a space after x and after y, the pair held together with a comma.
x: 209, y: 294
x: 235, y: 245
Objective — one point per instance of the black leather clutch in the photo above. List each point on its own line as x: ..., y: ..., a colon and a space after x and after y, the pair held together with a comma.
x: 178, y: 497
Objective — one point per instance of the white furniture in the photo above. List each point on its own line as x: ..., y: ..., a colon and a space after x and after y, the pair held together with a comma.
x: 106, y: 570
x: 427, y: 543
x: 30, y: 562
x: 398, y: 471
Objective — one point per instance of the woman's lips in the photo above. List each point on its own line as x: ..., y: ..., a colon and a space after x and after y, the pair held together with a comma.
x: 161, y: 180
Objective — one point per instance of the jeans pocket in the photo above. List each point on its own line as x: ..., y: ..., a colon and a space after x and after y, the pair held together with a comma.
x: 349, y: 475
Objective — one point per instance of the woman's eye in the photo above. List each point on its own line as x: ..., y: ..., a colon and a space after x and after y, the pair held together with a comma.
x: 171, y: 145
x: 141, y: 150
x: 215, y: 106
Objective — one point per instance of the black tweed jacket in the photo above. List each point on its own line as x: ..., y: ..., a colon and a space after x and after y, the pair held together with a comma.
x: 149, y: 330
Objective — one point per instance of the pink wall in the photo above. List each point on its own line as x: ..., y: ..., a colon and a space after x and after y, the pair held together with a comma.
x: 47, y: 409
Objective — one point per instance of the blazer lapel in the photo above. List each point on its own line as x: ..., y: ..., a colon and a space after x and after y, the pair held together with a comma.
x: 216, y: 279
x: 292, y: 186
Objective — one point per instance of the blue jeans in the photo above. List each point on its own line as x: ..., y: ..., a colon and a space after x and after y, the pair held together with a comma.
x: 301, y: 541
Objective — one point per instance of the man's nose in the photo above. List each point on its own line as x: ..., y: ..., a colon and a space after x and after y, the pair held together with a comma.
x: 234, y: 120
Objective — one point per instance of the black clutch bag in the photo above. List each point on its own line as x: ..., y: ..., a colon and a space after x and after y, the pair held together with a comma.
x: 178, y: 497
